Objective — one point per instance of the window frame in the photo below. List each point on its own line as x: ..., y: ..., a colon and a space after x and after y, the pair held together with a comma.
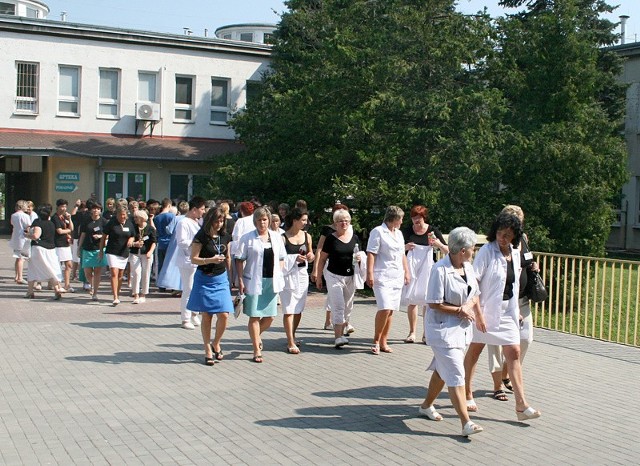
x: 34, y: 100
x: 180, y: 106
x: 156, y: 75
x: 109, y: 101
x: 69, y: 98
x: 219, y: 108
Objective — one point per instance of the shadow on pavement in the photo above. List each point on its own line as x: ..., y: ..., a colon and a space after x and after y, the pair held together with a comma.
x: 152, y: 357
x: 386, y: 419
x: 120, y: 325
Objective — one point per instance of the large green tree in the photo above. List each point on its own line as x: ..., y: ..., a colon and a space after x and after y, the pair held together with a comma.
x: 378, y: 102
x: 374, y: 102
x: 566, y: 160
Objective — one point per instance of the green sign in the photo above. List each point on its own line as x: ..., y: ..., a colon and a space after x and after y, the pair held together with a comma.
x: 62, y: 176
x: 66, y: 187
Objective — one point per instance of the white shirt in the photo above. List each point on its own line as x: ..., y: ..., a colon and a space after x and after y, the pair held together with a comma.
x: 388, y: 248
x: 185, y: 231
x: 20, y: 221
x: 250, y: 248
x: 443, y: 329
x: 490, y: 267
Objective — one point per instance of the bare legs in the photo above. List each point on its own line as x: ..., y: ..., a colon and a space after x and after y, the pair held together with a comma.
x: 221, y: 325
x: 291, y: 323
x: 116, y: 283
x: 19, y: 267
x: 256, y: 326
x: 412, y: 315
x: 381, y: 332
x: 470, y: 363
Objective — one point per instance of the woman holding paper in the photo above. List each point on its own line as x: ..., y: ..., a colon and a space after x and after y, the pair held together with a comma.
x: 421, y: 240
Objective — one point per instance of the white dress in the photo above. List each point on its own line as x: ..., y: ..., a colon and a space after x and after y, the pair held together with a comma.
x: 502, y: 317
x: 388, y: 269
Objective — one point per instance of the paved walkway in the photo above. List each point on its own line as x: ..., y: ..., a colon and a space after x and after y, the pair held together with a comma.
x: 86, y: 383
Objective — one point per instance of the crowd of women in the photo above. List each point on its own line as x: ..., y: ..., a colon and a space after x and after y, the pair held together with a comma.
x: 204, y: 252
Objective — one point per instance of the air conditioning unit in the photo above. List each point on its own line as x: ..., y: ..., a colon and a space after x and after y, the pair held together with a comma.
x: 147, y: 111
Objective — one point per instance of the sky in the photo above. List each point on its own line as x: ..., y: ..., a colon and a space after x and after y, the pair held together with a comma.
x: 172, y: 16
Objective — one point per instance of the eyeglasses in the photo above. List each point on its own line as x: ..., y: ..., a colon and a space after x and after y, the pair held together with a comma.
x: 343, y: 221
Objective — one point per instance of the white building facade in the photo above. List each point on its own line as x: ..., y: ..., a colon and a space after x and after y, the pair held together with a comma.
x: 89, y: 109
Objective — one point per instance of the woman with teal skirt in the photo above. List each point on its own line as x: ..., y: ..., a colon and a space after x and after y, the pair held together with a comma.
x: 211, y: 293
x: 259, y: 259
x: 89, y: 243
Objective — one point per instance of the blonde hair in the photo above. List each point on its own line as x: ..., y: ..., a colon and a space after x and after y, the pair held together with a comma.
x: 142, y: 214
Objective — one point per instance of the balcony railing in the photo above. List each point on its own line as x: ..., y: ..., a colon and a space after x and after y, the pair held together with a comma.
x: 589, y: 296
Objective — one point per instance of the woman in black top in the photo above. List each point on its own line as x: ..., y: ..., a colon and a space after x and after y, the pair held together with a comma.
x: 341, y: 250
x: 326, y: 231
x: 120, y: 232
x: 44, y: 264
x: 89, y: 245
x: 420, y: 243
x: 141, y: 256
x: 211, y: 292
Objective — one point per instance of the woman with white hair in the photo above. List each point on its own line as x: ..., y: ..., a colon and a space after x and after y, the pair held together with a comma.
x: 342, y: 250
x: 387, y: 273
x: 452, y: 296
x: 141, y: 256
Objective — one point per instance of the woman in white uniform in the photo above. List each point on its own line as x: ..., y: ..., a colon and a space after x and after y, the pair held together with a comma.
x: 497, y: 267
x: 452, y: 297
x: 387, y: 273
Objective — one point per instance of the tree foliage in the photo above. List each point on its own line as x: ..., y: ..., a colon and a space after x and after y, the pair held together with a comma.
x: 566, y: 161
x: 378, y: 102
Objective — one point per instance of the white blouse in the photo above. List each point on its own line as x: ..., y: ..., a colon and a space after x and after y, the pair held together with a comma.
x: 388, y: 248
x: 444, y: 329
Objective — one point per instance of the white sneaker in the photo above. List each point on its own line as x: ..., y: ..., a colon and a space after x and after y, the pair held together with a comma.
x: 348, y: 330
x: 196, y: 320
x: 188, y: 325
x: 136, y: 301
x: 142, y: 299
x: 86, y: 287
x: 94, y: 297
x: 341, y: 341
x: 38, y: 286
x: 71, y: 290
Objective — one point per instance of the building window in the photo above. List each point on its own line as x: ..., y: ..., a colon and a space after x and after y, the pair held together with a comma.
x: 184, y: 186
x: 226, y: 36
x: 219, y: 101
x: 32, y: 13
x: 27, y: 87
x: 7, y: 8
x: 108, y: 102
x: 147, y: 86
x: 253, y: 91
x: 246, y: 36
x: 184, y: 99
x: 69, y: 91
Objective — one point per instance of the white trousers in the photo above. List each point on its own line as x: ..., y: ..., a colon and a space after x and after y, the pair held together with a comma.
x: 186, y: 275
x: 140, y: 272
x: 340, y: 292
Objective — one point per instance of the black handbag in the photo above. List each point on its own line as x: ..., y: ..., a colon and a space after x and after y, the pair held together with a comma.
x: 535, y: 290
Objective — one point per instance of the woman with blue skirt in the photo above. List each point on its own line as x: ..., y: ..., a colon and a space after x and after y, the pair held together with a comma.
x: 211, y: 292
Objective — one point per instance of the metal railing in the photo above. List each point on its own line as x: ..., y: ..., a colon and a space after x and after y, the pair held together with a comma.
x: 589, y: 296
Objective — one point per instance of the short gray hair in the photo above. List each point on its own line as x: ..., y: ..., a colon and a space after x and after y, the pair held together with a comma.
x: 461, y: 238
x: 393, y: 213
x: 142, y: 214
x: 261, y: 212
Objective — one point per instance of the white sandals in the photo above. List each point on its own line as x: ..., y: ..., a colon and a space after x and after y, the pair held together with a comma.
x: 470, y: 428
x: 430, y: 412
